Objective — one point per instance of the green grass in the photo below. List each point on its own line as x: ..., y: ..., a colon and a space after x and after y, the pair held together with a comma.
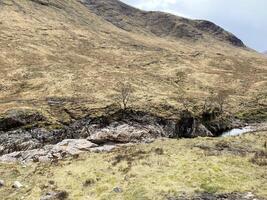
x: 148, y: 171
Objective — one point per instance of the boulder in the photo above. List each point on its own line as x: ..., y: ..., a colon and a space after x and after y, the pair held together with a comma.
x: 17, y: 185
x: 2, y: 183
x: 125, y: 133
x: 73, y: 146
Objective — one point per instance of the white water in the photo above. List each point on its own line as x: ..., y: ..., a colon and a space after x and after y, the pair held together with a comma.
x: 238, y: 131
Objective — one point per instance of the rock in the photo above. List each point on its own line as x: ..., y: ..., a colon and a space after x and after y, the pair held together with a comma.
x: 121, y: 127
x: 18, y: 118
x: 124, y: 133
x: 59, y: 195
x: 104, y: 148
x: 2, y: 183
x: 249, y: 195
x: 73, y: 146
x: 50, y: 152
x: 117, y: 190
x: 18, y: 140
x: 17, y: 185
x: 190, y: 127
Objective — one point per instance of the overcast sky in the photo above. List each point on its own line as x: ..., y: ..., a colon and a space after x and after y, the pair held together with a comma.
x: 247, y: 19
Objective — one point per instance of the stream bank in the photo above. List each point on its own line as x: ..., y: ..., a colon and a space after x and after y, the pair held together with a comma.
x: 104, y: 133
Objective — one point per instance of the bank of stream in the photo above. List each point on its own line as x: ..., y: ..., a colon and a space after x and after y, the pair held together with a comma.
x: 106, y: 132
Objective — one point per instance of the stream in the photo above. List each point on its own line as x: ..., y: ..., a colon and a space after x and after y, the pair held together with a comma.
x: 245, y: 129
x: 238, y: 131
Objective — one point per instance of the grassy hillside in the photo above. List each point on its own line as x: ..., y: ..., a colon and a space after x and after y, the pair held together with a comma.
x: 61, y: 58
x: 161, y: 170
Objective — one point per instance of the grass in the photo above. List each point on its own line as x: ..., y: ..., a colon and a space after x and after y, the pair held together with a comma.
x: 71, y: 53
x: 148, y: 171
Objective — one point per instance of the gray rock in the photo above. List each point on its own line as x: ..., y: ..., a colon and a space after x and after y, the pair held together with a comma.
x: 2, y: 183
x: 49, y: 153
x: 74, y: 146
x: 17, y: 185
x: 125, y: 133
x: 117, y: 190
x: 104, y: 148
x: 18, y: 118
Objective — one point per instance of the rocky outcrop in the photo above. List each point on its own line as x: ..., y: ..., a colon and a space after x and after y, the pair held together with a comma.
x: 189, y: 127
x: 14, y: 119
x: 69, y: 147
x: 22, y: 140
x: 121, y: 127
x: 125, y: 133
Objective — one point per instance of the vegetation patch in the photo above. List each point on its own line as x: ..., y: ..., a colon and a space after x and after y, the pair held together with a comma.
x: 166, y: 168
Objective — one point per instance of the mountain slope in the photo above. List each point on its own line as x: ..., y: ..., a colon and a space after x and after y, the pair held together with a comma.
x: 55, y: 52
x: 157, y: 23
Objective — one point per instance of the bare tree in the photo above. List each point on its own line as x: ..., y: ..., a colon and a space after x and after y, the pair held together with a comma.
x: 124, y: 94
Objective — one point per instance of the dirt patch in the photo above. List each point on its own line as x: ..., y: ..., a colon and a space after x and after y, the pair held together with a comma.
x: 228, y: 196
x: 131, y: 155
x: 223, y: 146
x: 260, y: 158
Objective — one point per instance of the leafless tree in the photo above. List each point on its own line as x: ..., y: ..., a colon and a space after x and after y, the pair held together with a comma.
x: 124, y: 94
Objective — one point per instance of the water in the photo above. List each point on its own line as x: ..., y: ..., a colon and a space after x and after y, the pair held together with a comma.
x: 238, y: 131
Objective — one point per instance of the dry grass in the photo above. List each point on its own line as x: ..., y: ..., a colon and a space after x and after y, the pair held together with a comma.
x: 69, y: 53
x: 148, y: 171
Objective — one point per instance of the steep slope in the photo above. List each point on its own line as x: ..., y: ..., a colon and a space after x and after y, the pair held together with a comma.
x: 157, y: 23
x: 64, y: 58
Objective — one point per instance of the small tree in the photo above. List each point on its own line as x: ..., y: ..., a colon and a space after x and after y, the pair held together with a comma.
x: 124, y: 94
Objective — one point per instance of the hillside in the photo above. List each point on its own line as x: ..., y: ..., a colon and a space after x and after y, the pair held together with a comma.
x: 196, y: 169
x: 63, y: 134
x: 61, y: 51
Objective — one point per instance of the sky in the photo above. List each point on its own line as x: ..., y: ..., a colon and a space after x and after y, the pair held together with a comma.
x: 247, y: 19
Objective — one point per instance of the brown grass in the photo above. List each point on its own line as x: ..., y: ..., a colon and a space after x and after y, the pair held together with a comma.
x: 69, y: 53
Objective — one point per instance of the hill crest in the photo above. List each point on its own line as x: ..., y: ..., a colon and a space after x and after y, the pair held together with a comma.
x: 158, y: 23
